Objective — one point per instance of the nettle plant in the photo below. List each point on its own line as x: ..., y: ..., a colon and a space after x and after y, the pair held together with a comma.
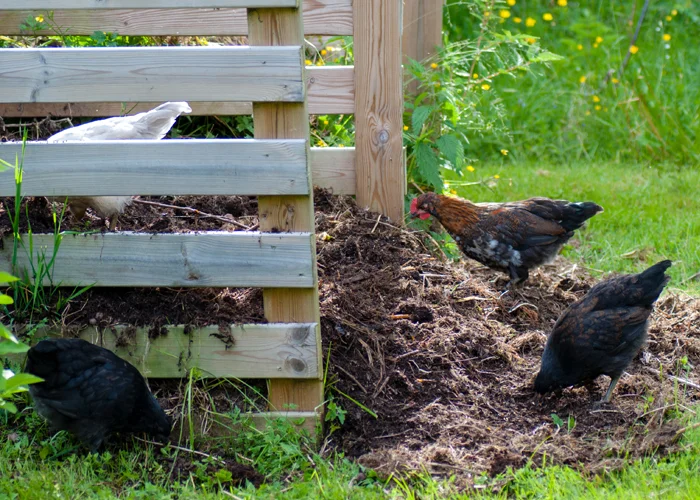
x: 454, y: 100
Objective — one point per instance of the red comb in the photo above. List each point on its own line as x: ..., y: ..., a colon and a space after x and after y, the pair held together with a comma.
x: 414, y: 205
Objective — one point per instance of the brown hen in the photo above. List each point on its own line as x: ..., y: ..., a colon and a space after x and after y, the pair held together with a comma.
x: 512, y: 237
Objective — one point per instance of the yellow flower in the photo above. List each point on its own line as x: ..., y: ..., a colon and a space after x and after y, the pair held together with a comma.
x: 319, y: 63
x: 324, y: 52
x: 470, y: 168
x: 579, y: 47
x: 596, y: 98
x: 475, y: 76
x: 599, y: 39
x: 582, y: 79
x: 595, y: 45
x: 530, y: 22
x: 561, y: 3
x: 669, y: 18
x: 504, y: 152
x: 341, y: 145
x: 530, y: 40
x: 405, y: 128
x: 505, y: 14
x: 547, y: 16
x: 496, y: 176
x: 510, y: 2
x: 325, y: 122
x: 487, y: 14
x: 667, y: 37
x: 434, y: 65
x: 437, y: 84
x: 517, y: 20
x: 597, y: 107
x: 452, y: 191
x: 634, y: 49
x: 39, y: 19
x: 308, y: 62
x: 615, y: 80
x: 319, y: 143
x: 485, y: 86
x: 588, y: 113
x: 674, y: 12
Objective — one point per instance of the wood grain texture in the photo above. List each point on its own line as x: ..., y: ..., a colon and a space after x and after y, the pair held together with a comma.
x: 334, y: 169
x: 151, y: 74
x: 211, y: 259
x: 422, y: 31
x: 380, y: 170
x: 321, y: 17
x: 171, y: 167
x: 290, y: 213
x: 142, y: 4
x: 242, y: 351
x: 331, y: 90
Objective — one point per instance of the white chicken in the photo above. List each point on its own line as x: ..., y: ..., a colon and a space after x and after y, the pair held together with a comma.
x: 153, y: 125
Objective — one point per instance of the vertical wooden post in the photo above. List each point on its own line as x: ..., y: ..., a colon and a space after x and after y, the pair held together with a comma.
x: 422, y: 31
x: 286, y: 213
x: 379, y: 166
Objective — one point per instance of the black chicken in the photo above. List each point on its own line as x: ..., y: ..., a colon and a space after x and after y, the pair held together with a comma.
x: 92, y: 393
x: 601, y: 333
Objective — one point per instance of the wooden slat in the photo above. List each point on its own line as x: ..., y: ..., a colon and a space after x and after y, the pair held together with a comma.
x: 286, y: 121
x: 212, y: 259
x: 321, y: 17
x: 334, y: 169
x: 331, y: 90
x: 151, y: 74
x: 380, y: 170
x: 142, y: 4
x: 171, y: 167
x: 271, y: 350
x: 422, y: 31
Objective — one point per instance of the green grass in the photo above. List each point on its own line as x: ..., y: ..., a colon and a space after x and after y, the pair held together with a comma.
x: 650, y: 213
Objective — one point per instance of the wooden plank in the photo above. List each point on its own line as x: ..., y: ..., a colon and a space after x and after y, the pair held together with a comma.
x: 331, y: 90
x: 151, y: 74
x: 271, y: 350
x: 422, y: 31
x: 170, y: 167
x: 286, y: 121
x: 211, y: 259
x: 321, y: 17
x: 334, y: 169
x: 380, y: 170
x: 142, y: 4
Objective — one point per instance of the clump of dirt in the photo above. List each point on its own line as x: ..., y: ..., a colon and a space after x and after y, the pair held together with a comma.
x: 432, y: 347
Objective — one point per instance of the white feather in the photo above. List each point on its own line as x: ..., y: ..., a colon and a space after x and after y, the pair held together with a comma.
x: 153, y: 125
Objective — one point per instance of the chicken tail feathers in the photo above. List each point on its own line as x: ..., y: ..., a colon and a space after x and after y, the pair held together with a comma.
x: 159, y: 120
x: 652, y: 281
x: 576, y: 214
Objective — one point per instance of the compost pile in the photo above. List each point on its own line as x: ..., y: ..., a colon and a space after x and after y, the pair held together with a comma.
x: 444, y: 363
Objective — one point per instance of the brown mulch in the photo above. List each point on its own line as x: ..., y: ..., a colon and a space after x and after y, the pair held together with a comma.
x: 430, y: 346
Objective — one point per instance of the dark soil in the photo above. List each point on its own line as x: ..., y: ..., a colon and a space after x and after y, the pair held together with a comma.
x: 432, y: 347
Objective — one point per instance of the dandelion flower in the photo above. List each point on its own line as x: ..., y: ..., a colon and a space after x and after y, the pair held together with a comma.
x: 487, y: 13
x: 39, y: 19
x: 669, y: 18
x: 510, y: 2
x: 341, y: 145
x: 496, y: 176
x: 475, y: 76
x: 504, y: 152
x: 674, y: 12
x: 562, y: 3
x: 470, y: 168
x: 547, y: 16
x: 588, y: 113
x: 320, y: 63
x: 579, y: 47
x: 505, y: 14
x: 325, y: 122
x: 324, y: 52
x: 434, y: 65
x: 320, y: 143
x: 405, y: 128
x: 667, y: 37
x: 615, y: 80
x: 485, y: 86
x: 599, y: 39
x: 596, y: 98
x: 595, y: 45
x: 517, y: 20
x: 634, y: 49
x: 530, y: 40
x: 308, y: 62
x: 582, y: 79
x: 597, y: 107
x: 530, y: 22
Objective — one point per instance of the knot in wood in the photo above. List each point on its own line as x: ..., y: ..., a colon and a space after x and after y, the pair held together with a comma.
x: 295, y: 365
x: 383, y: 136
